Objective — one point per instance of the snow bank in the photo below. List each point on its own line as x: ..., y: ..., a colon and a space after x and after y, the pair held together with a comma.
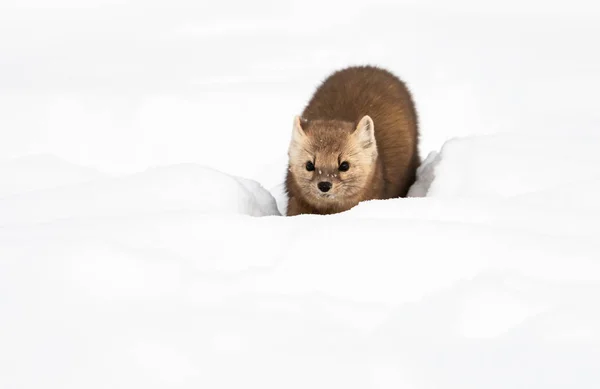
x: 185, y: 187
x: 155, y: 280
x: 34, y: 172
x: 513, y: 164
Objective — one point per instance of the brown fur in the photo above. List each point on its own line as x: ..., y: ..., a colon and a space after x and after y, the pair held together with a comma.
x: 381, y: 148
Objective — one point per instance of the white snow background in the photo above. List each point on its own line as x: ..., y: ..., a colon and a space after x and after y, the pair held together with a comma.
x: 142, y: 149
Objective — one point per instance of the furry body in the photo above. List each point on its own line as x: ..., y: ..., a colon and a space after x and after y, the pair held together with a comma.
x: 363, y: 118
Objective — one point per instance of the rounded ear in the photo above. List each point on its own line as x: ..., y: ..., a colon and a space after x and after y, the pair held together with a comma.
x: 298, y: 133
x: 365, y: 132
x: 299, y: 137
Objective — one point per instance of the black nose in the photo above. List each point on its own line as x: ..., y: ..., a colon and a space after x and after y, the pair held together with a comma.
x: 324, y: 186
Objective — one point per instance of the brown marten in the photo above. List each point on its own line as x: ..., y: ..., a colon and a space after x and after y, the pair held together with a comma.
x: 356, y: 140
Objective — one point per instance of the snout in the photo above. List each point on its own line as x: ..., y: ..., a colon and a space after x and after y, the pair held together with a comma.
x: 324, y: 186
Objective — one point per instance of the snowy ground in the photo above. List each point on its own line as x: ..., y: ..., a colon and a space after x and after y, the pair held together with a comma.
x: 142, y: 148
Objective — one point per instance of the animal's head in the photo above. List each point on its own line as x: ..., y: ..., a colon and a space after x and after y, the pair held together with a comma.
x: 332, y: 161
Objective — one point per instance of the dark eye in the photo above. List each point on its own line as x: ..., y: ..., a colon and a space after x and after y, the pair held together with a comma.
x: 310, y: 166
x: 344, y: 166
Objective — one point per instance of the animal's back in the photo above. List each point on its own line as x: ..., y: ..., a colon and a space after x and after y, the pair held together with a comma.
x: 351, y: 93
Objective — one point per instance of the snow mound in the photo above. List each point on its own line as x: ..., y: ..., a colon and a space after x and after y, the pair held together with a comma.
x: 42, y: 171
x: 185, y: 187
x: 511, y: 164
x: 425, y: 175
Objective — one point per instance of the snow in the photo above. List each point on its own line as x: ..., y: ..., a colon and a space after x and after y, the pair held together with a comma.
x: 32, y: 172
x: 182, y: 288
x: 488, y: 164
x: 173, y: 188
x: 141, y: 168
